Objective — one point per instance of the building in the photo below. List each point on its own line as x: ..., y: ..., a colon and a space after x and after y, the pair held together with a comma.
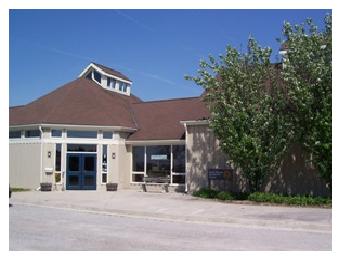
x: 93, y: 130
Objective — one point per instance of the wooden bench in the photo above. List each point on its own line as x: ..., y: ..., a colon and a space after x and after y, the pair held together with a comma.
x: 156, y: 181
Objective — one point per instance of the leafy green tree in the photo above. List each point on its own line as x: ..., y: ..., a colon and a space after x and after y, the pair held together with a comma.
x: 257, y: 108
x: 248, y: 109
x: 307, y: 75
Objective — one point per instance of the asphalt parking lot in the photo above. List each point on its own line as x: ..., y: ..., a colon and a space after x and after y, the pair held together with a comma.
x: 132, y: 220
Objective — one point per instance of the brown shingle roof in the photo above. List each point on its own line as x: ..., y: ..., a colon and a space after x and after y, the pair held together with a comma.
x: 160, y: 120
x: 112, y: 71
x: 83, y: 102
x: 80, y: 102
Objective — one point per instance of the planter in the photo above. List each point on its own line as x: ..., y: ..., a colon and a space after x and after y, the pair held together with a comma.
x: 46, y: 186
x: 111, y: 187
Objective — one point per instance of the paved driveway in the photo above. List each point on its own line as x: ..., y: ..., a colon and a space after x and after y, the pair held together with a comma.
x: 172, y: 216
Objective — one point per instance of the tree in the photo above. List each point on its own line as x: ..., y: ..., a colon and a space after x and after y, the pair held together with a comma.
x: 307, y: 75
x: 258, y: 109
x: 248, y: 109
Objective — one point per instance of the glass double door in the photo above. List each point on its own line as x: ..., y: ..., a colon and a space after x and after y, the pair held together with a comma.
x: 81, y: 171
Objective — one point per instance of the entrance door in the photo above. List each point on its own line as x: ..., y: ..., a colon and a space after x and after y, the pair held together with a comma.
x: 81, y: 171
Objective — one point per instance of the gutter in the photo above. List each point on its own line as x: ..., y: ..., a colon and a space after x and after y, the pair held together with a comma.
x: 195, y: 122
x: 77, y: 127
x: 186, y: 158
x: 41, y: 159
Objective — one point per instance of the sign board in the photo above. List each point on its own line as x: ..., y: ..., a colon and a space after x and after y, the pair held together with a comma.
x: 159, y: 157
x: 219, y: 174
x: 215, y: 174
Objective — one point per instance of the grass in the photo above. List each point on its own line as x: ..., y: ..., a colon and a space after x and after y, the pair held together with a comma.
x: 262, y: 197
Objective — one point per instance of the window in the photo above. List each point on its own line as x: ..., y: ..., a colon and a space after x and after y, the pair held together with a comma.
x: 56, y: 133
x: 104, y: 164
x: 32, y: 134
x: 178, y: 158
x: 158, y: 160
x: 138, y: 163
x: 111, y: 82
x: 58, y: 163
x: 107, y: 135
x: 15, y: 134
x: 97, y: 77
x: 178, y: 165
x: 82, y: 147
x: 138, y: 158
x: 123, y: 87
x: 81, y: 134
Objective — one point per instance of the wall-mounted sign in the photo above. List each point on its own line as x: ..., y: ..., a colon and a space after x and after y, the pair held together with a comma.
x: 219, y: 174
x: 215, y: 174
x: 159, y: 157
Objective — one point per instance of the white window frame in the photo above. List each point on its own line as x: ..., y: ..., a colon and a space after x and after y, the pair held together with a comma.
x: 145, y: 165
x: 176, y: 173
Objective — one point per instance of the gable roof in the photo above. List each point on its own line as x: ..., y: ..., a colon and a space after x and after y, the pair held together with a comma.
x: 160, y: 120
x: 80, y: 102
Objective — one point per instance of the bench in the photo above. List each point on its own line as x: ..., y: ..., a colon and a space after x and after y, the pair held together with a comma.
x: 156, y: 181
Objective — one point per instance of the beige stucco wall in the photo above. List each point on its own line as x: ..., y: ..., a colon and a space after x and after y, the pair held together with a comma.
x: 124, y: 159
x: 203, y: 152
x: 48, y: 163
x: 112, y: 163
x: 24, y: 165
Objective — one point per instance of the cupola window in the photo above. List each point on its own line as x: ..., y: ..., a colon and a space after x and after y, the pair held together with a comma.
x: 111, y: 82
x: 97, y: 77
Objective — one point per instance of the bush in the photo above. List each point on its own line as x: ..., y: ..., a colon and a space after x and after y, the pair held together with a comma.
x: 213, y: 194
x: 290, y: 200
x: 205, y: 193
x: 304, y: 200
x: 240, y: 196
x: 224, y: 196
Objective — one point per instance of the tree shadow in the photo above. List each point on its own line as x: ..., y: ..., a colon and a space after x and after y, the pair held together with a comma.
x: 294, y: 176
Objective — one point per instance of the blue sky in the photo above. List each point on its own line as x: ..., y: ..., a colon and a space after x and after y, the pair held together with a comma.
x: 154, y: 48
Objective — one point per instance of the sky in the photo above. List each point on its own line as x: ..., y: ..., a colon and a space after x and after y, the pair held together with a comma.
x: 154, y: 48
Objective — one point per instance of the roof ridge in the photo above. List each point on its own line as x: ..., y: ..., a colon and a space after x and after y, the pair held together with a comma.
x: 124, y: 102
x: 56, y: 107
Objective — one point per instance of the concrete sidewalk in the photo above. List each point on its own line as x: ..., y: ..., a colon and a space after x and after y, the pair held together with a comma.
x: 181, y: 207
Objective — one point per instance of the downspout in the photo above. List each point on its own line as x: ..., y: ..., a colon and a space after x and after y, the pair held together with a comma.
x: 41, y: 160
x: 186, y: 158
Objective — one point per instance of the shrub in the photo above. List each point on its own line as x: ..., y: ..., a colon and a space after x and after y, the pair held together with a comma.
x: 240, y: 196
x: 205, y: 193
x: 224, y: 196
x: 290, y: 200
